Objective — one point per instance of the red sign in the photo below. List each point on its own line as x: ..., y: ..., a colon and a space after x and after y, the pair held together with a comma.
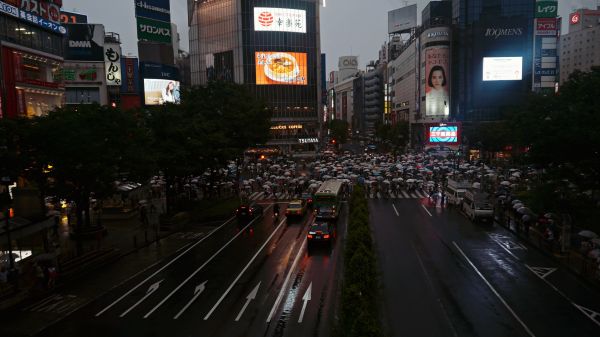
x: 544, y: 24
x: 129, y: 75
x: 47, y: 9
x: 265, y: 19
x: 574, y: 18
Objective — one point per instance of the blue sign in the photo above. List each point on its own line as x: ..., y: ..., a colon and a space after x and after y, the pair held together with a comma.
x: 32, y: 18
x: 159, y: 71
x: 153, y: 9
x: 443, y: 134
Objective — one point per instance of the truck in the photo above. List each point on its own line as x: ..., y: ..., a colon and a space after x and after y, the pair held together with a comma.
x: 477, y: 205
x: 455, y: 191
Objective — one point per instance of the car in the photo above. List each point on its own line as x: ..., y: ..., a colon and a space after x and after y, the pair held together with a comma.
x: 296, y: 208
x: 320, y: 232
x: 308, y: 199
x: 249, y: 211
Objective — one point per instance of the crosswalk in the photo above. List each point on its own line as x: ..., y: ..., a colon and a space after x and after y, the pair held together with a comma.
x: 402, y: 194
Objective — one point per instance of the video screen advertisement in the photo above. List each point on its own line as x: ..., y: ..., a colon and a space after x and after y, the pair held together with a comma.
x: 502, y: 68
x: 437, y: 81
x: 281, y: 68
x: 444, y: 134
x: 161, y: 91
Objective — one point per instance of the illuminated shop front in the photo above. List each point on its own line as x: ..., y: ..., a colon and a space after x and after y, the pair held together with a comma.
x: 31, y: 85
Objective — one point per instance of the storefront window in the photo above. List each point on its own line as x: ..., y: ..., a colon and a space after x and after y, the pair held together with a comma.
x: 41, y: 102
x: 82, y: 95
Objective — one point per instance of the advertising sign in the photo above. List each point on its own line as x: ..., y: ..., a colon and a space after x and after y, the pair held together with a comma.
x: 348, y: 62
x: 160, y: 91
x: 268, y: 19
x: 574, y: 18
x: 402, y: 19
x: 281, y: 68
x: 546, y: 26
x: 502, y: 68
x: 162, y: 71
x: 82, y: 74
x: 437, y: 81
x: 112, y: 64
x: 443, y: 134
x: 68, y: 17
x: 153, y: 30
x: 46, y: 9
x: 153, y: 9
x: 84, y: 42
x: 32, y: 18
x: 130, y: 75
x: 546, y: 9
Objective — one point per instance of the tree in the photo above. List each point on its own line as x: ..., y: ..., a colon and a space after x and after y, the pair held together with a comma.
x: 212, y: 125
x: 339, y: 130
x: 395, y: 135
x: 83, y: 150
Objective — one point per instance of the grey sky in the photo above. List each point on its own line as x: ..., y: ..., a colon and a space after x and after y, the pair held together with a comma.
x: 348, y: 27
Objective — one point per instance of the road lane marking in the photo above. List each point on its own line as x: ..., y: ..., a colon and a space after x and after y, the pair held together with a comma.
x: 200, y: 268
x: 287, y: 279
x: 494, y: 290
x: 149, y: 292
x: 395, y: 210
x: 405, y: 194
x: 503, y: 247
x: 307, y: 296
x: 243, y: 270
x: 542, y: 272
x: 249, y: 298
x: 199, y: 290
x: 589, y: 313
x: 163, y: 268
x: 426, y: 210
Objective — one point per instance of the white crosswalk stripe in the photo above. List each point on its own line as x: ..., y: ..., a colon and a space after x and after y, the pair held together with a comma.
x: 257, y: 196
x: 417, y: 194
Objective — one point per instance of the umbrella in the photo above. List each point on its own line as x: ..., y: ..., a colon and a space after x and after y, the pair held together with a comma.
x: 518, y: 205
x: 516, y: 201
x: 505, y: 183
x: 588, y: 234
x: 524, y: 210
x: 550, y: 216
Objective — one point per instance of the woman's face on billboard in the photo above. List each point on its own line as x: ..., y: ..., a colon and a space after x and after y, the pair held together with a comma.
x: 437, y: 79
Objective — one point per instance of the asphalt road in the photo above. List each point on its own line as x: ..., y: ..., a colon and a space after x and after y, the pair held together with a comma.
x: 445, y: 276
x: 244, y: 279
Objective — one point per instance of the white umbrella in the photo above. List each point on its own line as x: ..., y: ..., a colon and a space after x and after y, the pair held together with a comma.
x: 588, y: 234
x: 505, y: 183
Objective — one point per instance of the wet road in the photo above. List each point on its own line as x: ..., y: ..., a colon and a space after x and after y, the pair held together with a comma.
x: 249, y: 279
x: 445, y: 276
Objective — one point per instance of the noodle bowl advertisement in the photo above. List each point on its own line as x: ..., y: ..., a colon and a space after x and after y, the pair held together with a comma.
x: 281, y: 68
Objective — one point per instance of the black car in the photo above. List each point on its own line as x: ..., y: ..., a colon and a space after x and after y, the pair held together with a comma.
x: 320, y: 232
x: 248, y: 212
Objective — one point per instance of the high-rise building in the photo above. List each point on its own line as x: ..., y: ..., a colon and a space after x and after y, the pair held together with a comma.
x: 492, y: 57
x: 580, y: 47
x: 273, y: 48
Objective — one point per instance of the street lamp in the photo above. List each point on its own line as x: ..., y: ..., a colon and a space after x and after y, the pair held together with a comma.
x: 6, y: 182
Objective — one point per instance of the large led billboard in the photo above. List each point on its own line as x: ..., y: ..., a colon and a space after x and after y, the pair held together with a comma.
x: 281, y: 68
x: 437, y: 81
x: 443, y: 134
x: 160, y: 91
x: 502, y: 68
x: 268, y: 19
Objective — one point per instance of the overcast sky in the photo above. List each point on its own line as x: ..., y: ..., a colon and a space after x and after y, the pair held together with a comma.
x: 348, y: 27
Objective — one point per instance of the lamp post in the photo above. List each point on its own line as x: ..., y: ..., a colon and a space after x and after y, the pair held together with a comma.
x: 6, y: 183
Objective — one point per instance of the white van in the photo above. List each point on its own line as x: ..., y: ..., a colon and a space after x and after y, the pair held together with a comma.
x: 455, y: 191
x: 477, y: 206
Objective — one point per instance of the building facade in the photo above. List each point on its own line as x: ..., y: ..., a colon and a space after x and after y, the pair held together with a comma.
x: 580, y: 47
x: 273, y: 48
x: 492, y: 57
x: 32, y: 50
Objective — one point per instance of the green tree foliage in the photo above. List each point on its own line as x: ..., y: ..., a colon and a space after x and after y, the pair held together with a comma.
x: 561, y: 131
x: 395, y: 135
x: 339, y: 130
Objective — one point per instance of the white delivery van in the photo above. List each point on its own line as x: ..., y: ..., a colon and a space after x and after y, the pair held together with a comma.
x: 477, y: 206
x: 455, y: 191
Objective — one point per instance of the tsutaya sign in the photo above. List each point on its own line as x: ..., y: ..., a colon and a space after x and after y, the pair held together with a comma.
x: 308, y: 140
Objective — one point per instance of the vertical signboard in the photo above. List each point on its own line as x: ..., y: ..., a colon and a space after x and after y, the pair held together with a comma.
x: 545, y: 56
x: 437, y: 81
x: 112, y: 63
x: 130, y: 75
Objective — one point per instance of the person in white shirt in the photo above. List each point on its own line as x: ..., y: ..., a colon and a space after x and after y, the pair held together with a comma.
x: 437, y: 100
x: 167, y: 94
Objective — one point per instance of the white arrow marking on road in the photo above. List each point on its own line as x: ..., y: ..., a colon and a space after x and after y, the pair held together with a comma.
x: 589, y: 313
x: 426, y: 210
x: 199, y: 289
x: 149, y: 292
x: 542, y: 272
x: 305, y: 298
x: 249, y: 298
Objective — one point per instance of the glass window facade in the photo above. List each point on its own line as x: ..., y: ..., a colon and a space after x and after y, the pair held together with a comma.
x: 490, y: 28
x: 224, y: 46
x: 23, y: 34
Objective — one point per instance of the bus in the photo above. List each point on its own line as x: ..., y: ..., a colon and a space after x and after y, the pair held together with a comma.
x: 328, y: 199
